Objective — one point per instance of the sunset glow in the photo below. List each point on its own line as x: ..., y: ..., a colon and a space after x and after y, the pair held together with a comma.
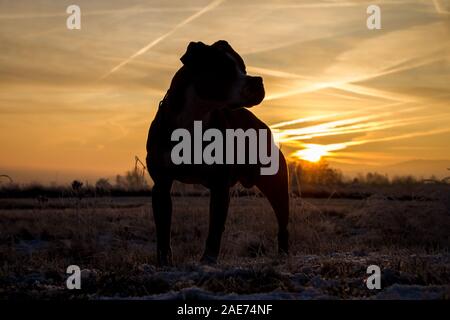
x: 311, y: 153
x: 78, y: 103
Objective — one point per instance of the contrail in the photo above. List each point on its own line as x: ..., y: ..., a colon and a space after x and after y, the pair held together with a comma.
x: 345, y: 85
x: 315, y: 118
x: 324, y: 5
x: 351, y: 125
x: 344, y: 145
x: 358, y: 128
x: 314, y: 86
x: 439, y: 7
x: 209, y: 7
x: 93, y: 13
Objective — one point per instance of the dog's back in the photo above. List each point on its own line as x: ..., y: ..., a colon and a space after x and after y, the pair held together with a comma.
x: 159, y: 146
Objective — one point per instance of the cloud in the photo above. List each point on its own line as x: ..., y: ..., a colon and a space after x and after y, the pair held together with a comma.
x: 329, y: 80
x: 440, y: 8
x: 143, y: 50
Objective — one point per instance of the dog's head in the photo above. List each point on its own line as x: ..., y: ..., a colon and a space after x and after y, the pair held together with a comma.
x: 218, y: 74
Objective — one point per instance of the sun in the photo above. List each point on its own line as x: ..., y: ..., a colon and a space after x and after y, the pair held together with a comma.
x: 312, y: 152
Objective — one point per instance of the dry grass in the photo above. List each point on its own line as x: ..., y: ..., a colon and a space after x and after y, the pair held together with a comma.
x: 332, y: 243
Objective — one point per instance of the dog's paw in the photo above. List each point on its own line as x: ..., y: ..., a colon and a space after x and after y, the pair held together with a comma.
x: 283, y: 254
x: 208, y: 260
x: 165, y: 260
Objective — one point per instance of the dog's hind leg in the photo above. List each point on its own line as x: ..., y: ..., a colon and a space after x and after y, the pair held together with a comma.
x: 218, y: 209
x: 162, y: 213
x: 275, y: 188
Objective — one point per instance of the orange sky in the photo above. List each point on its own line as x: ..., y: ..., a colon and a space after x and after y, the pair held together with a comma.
x: 78, y: 103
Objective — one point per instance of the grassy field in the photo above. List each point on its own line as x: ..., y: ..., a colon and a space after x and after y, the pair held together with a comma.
x: 333, y: 241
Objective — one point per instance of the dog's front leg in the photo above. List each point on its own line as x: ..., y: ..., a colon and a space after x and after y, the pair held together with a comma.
x: 218, y: 209
x: 162, y: 213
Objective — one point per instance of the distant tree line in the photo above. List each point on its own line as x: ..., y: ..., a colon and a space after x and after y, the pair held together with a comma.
x: 305, y: 178
x: 321, y: 174
x: 132, y: 183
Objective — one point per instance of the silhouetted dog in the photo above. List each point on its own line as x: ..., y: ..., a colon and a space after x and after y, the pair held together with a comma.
x: 211, y: 86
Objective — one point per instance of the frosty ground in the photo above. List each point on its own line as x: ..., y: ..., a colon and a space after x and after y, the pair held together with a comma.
x: 333, y: 241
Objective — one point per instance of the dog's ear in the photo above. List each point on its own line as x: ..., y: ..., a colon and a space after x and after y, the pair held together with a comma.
x: 222, y: 44
x: 225, y: 46
x: 195, y: 52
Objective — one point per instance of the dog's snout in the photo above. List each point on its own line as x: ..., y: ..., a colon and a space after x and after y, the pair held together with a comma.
x: 256, y: 81
x: 255, y: 84
x: 253, y: 91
